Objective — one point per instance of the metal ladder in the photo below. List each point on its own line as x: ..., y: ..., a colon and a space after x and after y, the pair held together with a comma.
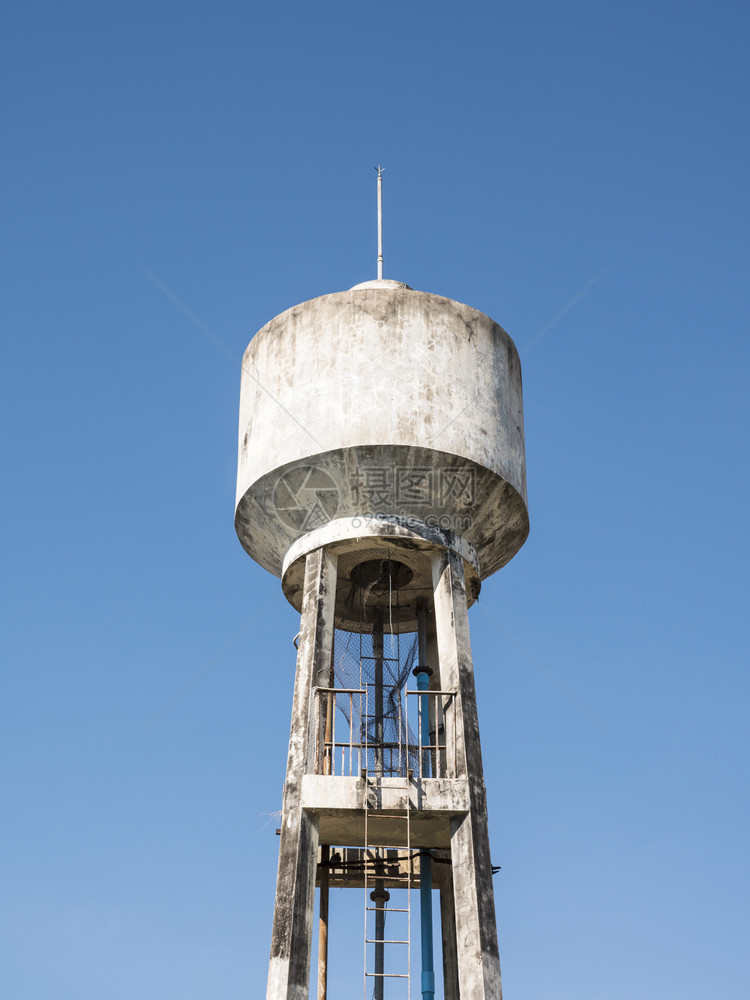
x: 379, y: 863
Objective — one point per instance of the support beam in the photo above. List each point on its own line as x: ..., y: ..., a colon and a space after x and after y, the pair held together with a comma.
x: 325, y: 857
x: 476, y: 930
x: 448, y: 928
x: 289, y: 969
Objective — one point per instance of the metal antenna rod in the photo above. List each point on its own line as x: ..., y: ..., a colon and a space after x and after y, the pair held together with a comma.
x: 380, y: 221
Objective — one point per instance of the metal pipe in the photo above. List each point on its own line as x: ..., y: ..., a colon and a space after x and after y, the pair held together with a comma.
x: 379, y: 897
x: 380, y: 222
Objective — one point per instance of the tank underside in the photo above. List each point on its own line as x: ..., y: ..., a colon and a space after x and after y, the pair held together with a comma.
x: 403, y: 483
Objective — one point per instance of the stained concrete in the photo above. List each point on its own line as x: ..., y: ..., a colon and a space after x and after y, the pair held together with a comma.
x: 289, y: 966
x: 339, y: 803
x: 384, y: 422
x: 399, y: 402
x: 355, y: 541
x: 446, y: 814
x: 478, y: 960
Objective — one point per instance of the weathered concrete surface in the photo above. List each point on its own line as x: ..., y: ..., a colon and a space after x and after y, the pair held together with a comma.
x: 355, y: 541
x: 448, y: 813
x: 338, y: 804
x: 448, y: 935
x: 394, y: 401
x: 289, y: 968
x: 356, y: 530
x: 323, y: 793
x: 474, y: 901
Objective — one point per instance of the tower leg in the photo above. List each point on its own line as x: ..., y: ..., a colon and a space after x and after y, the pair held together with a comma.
x: 448, y: 927
x: 325, y: 853
x: 476, y: 931
x: 289, y: 969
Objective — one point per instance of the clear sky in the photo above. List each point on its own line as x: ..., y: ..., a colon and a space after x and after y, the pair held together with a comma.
x: 579, y: 169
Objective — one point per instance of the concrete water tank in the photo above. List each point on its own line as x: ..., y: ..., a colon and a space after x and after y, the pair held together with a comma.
x: 380, y: 404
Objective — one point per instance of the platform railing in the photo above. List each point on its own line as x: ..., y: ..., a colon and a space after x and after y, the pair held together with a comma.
x: 345, y: 755
x: 340, y: 751
x: 435, y: 759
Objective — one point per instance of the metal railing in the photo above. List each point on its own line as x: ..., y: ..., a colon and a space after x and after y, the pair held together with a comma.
x: 436, y: 760
x: 342, y: 746
x: 342, y: 756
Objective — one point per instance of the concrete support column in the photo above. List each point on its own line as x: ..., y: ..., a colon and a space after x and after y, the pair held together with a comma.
x: 289, y: 970
x: 325, y: 857
x: 448, y: 927
x: 475, y: 928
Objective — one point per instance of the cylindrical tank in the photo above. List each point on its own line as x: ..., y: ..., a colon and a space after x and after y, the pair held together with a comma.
x: 382, y: 401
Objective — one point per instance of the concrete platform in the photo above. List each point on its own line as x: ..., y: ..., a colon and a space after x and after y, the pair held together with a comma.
x: 339, y: 805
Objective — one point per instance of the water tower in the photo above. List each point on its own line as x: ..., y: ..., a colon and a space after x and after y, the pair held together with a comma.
x: 382, y: 477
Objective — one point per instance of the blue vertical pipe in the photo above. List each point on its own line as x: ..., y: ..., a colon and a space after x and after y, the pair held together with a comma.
x: 425, y: 861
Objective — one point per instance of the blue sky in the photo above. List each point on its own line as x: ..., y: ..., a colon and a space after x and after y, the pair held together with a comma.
x: 227, y: 150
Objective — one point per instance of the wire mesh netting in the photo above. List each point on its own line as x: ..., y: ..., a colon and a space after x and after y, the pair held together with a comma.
x: 372, y: 665
x: 376, y: 719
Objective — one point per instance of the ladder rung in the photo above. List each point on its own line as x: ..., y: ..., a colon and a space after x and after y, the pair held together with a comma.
x: 384, y: 941
x: 393, y: 788
x: 389, y: 975
x: 388, y: 909
x: 374, y: 775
